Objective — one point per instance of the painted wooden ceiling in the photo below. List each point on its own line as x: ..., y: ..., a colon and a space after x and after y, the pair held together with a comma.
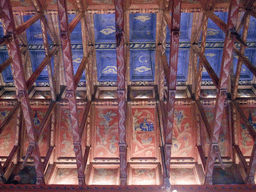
x: 142, y: 43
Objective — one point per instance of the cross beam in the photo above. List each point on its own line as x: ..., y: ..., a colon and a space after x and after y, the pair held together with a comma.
x: 71, y: 95
x: 222, y: 89
x: 240, y: 61
x: 20, y: 83
x: 171, y: 83
x: 121, y: 88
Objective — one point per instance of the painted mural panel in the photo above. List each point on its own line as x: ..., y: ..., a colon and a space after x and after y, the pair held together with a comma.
x: 66, y: 176
x: 143, y: 141
x: 184, y: 176
x: 245, y: 141
x: 144, y: 177
x: 7, y: 138
x: 224, y: 133
x: 65, y: 133
x: 182, y: 133
x: 104, y: 176
x: 106, y: 133
x: 38, y: 115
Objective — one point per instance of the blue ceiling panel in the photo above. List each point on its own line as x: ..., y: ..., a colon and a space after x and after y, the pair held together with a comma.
x: 252, y: 30
x: 106, y: 65
x: 142, y: 65
x: 214, y: 57
x: 143, y: 27
x: 34, y: 32
x: 246, y: 74
x: 7, y: 73
x: 36, y: 59
x: 1, y: 30
x: 76, y: 35
x: 77, y: 57
x: 183, y: 61
x: 104, y: 25
x: 214, y: 33
x: 185, y: 27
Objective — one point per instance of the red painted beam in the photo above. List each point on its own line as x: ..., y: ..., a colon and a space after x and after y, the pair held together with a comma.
x: 202, y: 60
x: 201, y: 154
x: 85, y: 118
x: 71, y: 95
x: 40, y: 68
x: 171, y: 84
x: 9, y: 117
x: 203, y: 117
x: 207, y: 66
x: 244, y: 119
x: 5, y: 39
x: 48, y: 155
x: 46, y: 119
x: 252, y: 13
x: 48, y: 53
x: 252, y: 167
x: 120, y: 58
x: 20, y: 83
x: 86, y: 155
x: 222, y: 89
x: 5, y: 64
x: 246, y: 61
x: 241, y: 157
x: 10, y: 157
x: 28, y: 23
x: 74, y: 22
x: 240, y: 62
x: 221, y: 24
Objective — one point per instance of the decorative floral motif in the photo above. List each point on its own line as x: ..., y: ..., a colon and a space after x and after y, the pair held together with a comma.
x: 106, y: 134
x: 144, y: 135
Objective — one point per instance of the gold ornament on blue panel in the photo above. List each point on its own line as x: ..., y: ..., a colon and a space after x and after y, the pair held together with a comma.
x: 110, y: 70
x: 142, y: 18
x: 108, y: 30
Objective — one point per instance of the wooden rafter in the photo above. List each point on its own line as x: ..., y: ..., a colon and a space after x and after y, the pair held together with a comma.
x: 121, y: 88
x: 171, y: 83
x: 9, y: 117
x: 240, y: 62
x: 40, y: 68
x: 222, y: 89
x: 71, y: 94
x: 20, y: 83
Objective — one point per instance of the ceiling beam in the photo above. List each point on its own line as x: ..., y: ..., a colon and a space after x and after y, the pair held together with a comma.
x: 224, y: 27
x: 203, y: 62
x: 28, y: 23
x: 71, y: 94
x: 203, y: 116
x: 5, y: 39
x: 74, y: 22
x: 244, y: 119
x: 246, y: 61
x: 227, y: 60
x: 41, y: 67
x: 9, y: 117
x: 47, y: 52
x: 5, y: 64
x: 20, y: 83
x: 121, y: 88
x: 46, y: 119
x: 201, y: 59
x: 171, y: 82
x: 240, y: 61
